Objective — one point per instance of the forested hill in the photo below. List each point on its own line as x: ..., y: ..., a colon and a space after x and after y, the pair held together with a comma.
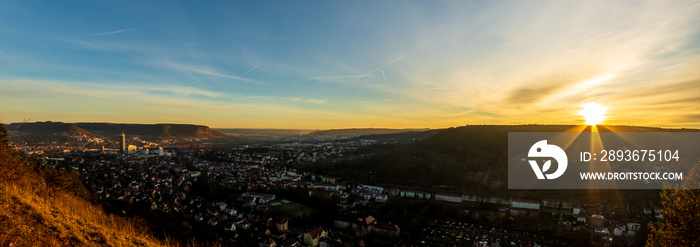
x: 464, y: 158
x: 112, y: 130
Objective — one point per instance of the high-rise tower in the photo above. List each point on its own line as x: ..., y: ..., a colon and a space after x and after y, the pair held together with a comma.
x: 123, y: 144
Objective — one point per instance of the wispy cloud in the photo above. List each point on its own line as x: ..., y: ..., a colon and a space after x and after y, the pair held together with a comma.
x: 380, y: 67
x: 315, y: 101
x: 491, y: 63
x: 254, y: 68
x: 209, y: 71
x: 383, y: 75
x: 321, y: 78
x: 187, y: 91
x: 375, y: 101
x: 65, y: 106
x: 345, y: 79
x: 311, y: 101
x: 549, y: 59
x: 99, y: 90
x: 115, y: 32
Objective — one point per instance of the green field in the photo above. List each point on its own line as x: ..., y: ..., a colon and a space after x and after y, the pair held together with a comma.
x: 293, y: 209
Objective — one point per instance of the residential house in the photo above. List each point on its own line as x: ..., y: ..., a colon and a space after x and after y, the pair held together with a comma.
x: 618, y: 231
x: 213, y: 221
x: 576, y: 210
x: 282, y: 224
x: 602, y: 231
x: 343, y: 223
x: 313, y: 237
x: 327, y: 242
x: 266, y: 241
x: 257, y: 198
x: 633, y: 226
x: 597, y: 220
x: 387, y: 229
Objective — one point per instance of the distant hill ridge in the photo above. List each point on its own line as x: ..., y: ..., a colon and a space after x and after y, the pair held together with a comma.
x: 359, y: 132
x: 110, y: 130
x: 456, y: 156
x: 48, y: 128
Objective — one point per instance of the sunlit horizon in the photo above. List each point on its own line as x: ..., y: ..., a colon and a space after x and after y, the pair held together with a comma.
x: 331, y: 65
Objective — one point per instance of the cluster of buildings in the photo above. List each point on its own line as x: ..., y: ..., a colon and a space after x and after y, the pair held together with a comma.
x: 163, y: 181
x: 166, y: 184
x: 463, y: 233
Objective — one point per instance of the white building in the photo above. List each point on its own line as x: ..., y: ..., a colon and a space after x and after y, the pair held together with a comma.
x: 576, y: 210
x: 603, y: 231
x: 633, y: 226
x: 618, y: 231
x: 448, y: 198
x: 526, y: 204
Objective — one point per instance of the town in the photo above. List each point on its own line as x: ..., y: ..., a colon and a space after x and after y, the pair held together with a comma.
x: 261, y: 195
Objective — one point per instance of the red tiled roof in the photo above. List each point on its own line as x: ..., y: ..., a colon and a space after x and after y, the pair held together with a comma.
x: 369, y: 220
x: 315, y: 232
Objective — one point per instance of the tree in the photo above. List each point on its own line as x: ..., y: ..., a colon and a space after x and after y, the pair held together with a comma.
x: 11, y: 167
x: 681, y: 223
x: 4, y: 145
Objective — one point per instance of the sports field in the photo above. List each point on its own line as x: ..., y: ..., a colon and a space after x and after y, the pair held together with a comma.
x: 293, y: 209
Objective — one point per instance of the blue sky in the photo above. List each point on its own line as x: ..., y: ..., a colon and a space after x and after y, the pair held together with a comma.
x: 340, y: 64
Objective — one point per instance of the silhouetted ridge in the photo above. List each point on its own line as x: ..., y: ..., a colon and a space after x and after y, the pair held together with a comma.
x: 110, y: 130
x: 48, y: 128
x: 358, y: 132
x: 465, y: 158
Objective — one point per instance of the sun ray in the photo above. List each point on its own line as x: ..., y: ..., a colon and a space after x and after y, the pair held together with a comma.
x: 596, y: 144
x: 578, y: 129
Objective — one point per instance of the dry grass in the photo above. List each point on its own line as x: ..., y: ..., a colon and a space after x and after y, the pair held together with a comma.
x: 28, y: 218
x: 41, y: 206
x: 37, y: 209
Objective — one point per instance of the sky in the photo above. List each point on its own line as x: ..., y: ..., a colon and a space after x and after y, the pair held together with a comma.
x: 350, y: 64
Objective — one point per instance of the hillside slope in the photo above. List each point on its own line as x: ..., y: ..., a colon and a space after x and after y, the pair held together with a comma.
x: 41, y: 206
x: 28, y: 219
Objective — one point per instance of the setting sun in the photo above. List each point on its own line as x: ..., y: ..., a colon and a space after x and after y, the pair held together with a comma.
x: 593, y: 113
